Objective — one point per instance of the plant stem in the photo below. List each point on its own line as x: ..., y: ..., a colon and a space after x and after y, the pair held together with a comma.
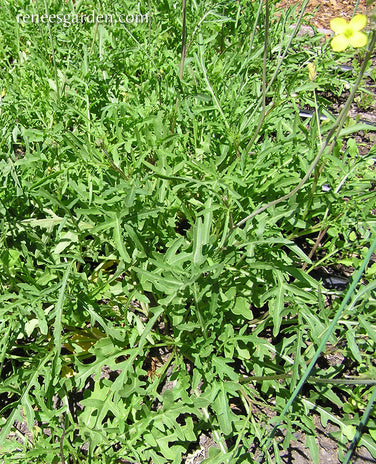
x: 183, y: 41
x: 182, y: 60
x: 211, y: 88
x: 254, y: 28
x: 264, y: 62
x: 279, y: 64
x: 53, y: 54
x: 319, y: 380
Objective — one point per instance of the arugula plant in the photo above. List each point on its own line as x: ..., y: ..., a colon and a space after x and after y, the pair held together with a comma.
x: 144, y: 304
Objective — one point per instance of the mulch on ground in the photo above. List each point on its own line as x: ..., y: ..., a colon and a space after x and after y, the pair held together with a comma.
x: 325, y: 10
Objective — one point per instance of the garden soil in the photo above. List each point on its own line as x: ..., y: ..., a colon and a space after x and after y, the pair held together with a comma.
x: 323, y: 11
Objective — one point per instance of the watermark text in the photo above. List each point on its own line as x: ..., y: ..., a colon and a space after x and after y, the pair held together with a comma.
x: 67, y: 20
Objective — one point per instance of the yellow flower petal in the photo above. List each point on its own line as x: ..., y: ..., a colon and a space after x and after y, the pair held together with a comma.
x: 338, y: 25
x: 339, y: 43
x: 358, y: 22
x: 348, y: 33
x: 359, y: 39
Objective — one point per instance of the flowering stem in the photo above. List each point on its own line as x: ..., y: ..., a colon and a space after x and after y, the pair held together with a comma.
x: 318, y: 169
x: 355, y: 8
x: 182, y: 60
x: 275, y: 74
x: 264, y: 62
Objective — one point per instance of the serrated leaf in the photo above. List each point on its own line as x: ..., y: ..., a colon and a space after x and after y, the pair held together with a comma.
x: 170, y: 452
x: 119, y: 242
x: 197, y: 257
x: 30, y: 326
x: 66, y: 240
x: 166, y: 284
x: 15, y: 414
x: 223, y: 369
x: 369, y: 444
x: 241, y: 308
x: 275, y: 309
x: 349, y: 431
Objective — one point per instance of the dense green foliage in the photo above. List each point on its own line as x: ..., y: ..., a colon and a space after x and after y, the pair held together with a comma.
x: 134, y: 316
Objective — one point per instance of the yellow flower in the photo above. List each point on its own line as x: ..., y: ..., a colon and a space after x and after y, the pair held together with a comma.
x: 348, y: 33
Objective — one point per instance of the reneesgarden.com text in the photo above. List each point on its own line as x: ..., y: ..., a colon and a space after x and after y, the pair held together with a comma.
x: 68, y: 19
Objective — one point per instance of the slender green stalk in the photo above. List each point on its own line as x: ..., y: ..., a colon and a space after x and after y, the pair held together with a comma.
x: 198, y: 312
x: 53, y: 54
x: 58, y: 317
x: 278, y: 66
x: 255, y: 28
x: 355, y: 8
x: 317, y: 170
x: 183, y: 41
x: 287, y: 48
x: 5, y: 338
x: 317, y: 112
x: 208, y: 13
x: 113, y: 165
x: 251, y: 41
x: 182, y: 60
x: 94, y: 37
x: 264, y: 63
x: 184, y: 51
x: 203, y: 68
x: 140, y: 46
x: 315, y: 380
x: 149, y: 10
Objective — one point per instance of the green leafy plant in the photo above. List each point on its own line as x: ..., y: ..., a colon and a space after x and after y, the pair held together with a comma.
x: 165, y: 207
